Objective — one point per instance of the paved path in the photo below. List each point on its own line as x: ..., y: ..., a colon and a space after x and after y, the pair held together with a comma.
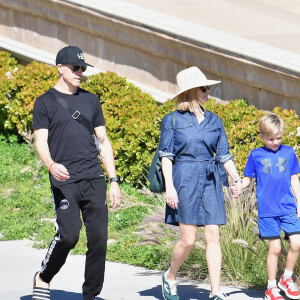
x: 19, y: 262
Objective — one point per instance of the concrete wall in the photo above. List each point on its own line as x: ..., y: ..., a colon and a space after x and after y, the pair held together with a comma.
x: 148, y: 55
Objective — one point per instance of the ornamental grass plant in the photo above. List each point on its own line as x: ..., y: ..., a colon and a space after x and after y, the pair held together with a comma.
x: 244, y: 253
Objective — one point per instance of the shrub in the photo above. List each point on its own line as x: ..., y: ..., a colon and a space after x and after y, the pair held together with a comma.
x: 132, y: 123
x: 241, y: 124
x: 28, y: 82
x: 8, y: 67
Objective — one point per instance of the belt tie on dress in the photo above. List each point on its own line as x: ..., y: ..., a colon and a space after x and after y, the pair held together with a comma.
x: 216, y: 168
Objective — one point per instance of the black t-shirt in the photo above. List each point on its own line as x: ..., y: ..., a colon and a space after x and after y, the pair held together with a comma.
x: 70, y: 143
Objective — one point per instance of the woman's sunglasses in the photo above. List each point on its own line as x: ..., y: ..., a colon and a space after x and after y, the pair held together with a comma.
x: 76, y: 68
x: 204, y: 88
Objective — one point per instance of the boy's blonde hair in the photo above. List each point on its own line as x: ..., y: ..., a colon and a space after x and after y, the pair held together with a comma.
x: 270, y: 125
x: 187, y: 101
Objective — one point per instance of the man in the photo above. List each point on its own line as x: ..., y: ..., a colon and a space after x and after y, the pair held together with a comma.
x: 68, y: 150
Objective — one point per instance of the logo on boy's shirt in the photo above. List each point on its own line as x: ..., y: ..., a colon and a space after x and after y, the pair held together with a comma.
x: 268, y: 165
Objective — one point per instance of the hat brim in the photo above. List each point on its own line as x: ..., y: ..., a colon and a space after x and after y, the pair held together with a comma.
x: 195, y: 85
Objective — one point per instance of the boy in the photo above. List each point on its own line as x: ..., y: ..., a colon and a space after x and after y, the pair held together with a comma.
x: 275, y: 167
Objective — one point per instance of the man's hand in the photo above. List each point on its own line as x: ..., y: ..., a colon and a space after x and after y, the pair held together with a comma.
x: 59, y: 172
x: 114, y: 194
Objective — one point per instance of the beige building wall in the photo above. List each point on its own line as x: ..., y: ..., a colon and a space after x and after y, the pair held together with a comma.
x: 151, y: 57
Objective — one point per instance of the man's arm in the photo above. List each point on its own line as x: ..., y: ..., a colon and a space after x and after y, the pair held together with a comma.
x: 58, y: 171
x: 296, y: 190
x: 107, y: 158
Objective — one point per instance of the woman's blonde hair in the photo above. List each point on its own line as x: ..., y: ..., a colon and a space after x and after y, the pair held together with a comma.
x: 271, y: 125
x: 188, y: 101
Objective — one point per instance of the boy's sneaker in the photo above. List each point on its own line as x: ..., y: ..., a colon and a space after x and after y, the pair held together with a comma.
x: 273, y: 294
x: 169, y: 289
x: 218, y: 296
x: 289, y: 287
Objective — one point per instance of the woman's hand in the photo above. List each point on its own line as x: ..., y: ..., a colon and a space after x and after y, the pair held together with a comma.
x: 171, y: 194
x: 171, y: 197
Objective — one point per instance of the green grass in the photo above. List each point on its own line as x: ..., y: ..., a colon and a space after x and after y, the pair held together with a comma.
x: 27, y: 209
x: 136, y: 232
x: 23, y: 201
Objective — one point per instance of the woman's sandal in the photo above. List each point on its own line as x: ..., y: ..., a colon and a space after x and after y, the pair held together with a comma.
x: 39, y: 293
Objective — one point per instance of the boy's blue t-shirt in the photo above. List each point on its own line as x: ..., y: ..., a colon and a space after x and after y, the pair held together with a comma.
x: 273, y: 171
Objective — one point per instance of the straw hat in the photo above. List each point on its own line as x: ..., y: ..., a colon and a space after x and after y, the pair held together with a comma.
x: 191, y: 78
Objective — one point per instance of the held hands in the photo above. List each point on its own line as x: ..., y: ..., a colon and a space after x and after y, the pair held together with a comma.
x: 236, y: 189
x: 171, y: 197
x: 59, y: 172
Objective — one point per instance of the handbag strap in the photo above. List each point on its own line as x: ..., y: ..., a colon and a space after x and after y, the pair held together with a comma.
x: 76, y: 115
x: 173, y: 119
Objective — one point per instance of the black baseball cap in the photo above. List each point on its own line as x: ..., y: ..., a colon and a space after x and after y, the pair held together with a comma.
x: 71, y: 55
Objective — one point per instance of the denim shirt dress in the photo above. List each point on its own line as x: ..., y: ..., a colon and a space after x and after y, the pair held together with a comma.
x: 198, y: 152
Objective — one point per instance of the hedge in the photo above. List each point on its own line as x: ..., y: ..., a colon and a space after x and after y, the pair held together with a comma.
x: 241, y: 124
x: 132, y: 122
x: 8, y: 67
x: 132, y: 117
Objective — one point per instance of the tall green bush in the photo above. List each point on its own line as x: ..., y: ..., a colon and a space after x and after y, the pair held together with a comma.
x: 8, y: 68
x: 28, y: 82
x: 241, y: 124
x: 131, y: 122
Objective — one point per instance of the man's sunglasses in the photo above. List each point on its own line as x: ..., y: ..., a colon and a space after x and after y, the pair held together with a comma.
x: 76, y: 68
x: 204, y: 88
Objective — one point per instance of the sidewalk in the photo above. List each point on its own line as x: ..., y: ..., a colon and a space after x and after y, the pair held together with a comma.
x: 19, y: 262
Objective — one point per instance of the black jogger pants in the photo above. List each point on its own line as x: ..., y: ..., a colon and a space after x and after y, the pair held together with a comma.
x: 89, y: 197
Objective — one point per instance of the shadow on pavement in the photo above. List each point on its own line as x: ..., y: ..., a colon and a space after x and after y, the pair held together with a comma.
x: 61, y: 295
x: 185, y: 292
x: 258, y: 294
x: 188, y: 292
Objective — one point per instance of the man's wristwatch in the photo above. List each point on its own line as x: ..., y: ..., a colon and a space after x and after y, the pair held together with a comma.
x: 115, y: 179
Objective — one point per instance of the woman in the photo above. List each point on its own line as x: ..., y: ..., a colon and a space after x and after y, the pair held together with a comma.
x: 194, y: 159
